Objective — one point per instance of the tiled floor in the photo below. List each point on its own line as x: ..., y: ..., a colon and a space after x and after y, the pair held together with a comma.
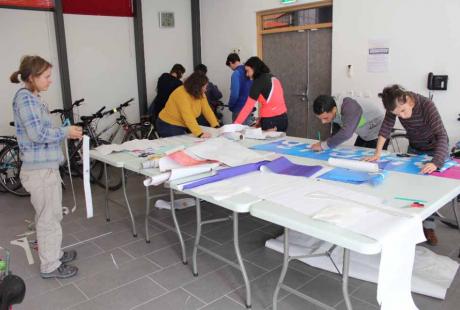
x: 118, y: 271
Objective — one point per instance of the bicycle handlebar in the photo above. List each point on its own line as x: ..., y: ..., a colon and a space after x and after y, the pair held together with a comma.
x: 98, y: 114
x: 77, y: 103
x: 119, y: 108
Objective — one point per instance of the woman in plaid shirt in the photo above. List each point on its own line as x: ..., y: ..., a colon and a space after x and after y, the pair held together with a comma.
x: 41, y: 153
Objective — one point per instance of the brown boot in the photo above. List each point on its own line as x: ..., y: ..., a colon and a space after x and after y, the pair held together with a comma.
x: 430, y: 235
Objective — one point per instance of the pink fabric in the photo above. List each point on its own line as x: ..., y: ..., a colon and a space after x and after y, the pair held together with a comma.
x: 451, y: 173
x: 186, y: 160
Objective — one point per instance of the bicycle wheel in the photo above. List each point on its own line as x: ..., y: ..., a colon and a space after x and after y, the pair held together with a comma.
x: 97, y: 172
x: 399, y: 143
x: 10, y: 167
x: 4, y: 141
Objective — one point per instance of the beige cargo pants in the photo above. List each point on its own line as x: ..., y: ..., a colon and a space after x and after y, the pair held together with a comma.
x: 44, y: 186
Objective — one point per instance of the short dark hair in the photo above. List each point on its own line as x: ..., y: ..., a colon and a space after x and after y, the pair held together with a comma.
x: 323, y: 103
x: 232, y: 58
x: 257, y: 65
x: 194, y: 83
x: 178, y: 69
x: 201, y: 68
x: 391, y: 94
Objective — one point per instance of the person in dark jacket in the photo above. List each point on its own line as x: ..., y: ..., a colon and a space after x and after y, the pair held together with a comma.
x: 167, y: 83
x: 213, y: 95
x: 239, y: 88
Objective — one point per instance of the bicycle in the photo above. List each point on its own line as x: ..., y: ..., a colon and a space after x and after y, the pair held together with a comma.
x: 10, y: 166
x: 142, y: 130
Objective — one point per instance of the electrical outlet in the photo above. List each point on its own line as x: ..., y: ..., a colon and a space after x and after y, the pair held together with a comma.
x: 236, y: 50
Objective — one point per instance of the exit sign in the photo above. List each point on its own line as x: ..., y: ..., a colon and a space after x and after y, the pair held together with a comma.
x: 287, y: 1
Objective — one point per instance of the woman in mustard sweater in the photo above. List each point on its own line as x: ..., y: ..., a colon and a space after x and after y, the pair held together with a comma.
x: 184, y: 106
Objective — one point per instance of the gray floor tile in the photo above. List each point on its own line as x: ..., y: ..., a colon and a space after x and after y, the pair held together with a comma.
x: 38, y: 286
x: 262, y: 288
x: 177, y: 300
x: 325, y: 289
x: 265, y: 258
x: 220, y: 282
x: 103, y: 281
x: 179, y: 274
x: 61, y: 298
x: 173, y: 254
x: 224, y: 303
x: 367, y: 292
x: 357, y: 305
x: 224, y: 233
x: 162, y: 240
x: 124, y: 297
x: 293, y: 302
x: 102, y: 263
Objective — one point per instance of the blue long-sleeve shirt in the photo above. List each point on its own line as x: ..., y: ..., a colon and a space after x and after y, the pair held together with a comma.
x: 39, y: 142
x: 239, y: 89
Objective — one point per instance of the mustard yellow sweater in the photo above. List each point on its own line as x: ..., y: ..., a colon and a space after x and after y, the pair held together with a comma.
x: 182, y: 109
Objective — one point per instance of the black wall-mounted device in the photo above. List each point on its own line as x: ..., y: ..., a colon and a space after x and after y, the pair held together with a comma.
x: 437, y: 82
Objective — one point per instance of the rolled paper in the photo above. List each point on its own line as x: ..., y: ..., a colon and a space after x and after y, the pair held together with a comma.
x: 353, y: 164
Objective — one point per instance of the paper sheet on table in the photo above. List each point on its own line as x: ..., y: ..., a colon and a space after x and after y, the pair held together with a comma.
x: 86, y: 178
x: 228, y: 152
x: 282, y: 165
x: 231, y: 128
x: 158, y: 145
x: 157, y: 180
x: 254, y: 133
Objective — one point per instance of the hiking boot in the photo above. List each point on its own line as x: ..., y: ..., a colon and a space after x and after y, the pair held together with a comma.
x: 62, y: 272
x: 430, y: 235
x: 68, y: 256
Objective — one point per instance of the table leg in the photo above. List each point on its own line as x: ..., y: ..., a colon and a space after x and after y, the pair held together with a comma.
x: 147, y: 212
x: 106, y: 194
x: 197, y: 237
x: 176, y: 224
x: 123, y: 182
x: 240, y: 259
x: 345, y: 270
x: 283, y: 270
x: 456, y: 213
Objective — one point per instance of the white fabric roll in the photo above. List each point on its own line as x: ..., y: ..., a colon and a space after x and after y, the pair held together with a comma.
x: 353, y: 164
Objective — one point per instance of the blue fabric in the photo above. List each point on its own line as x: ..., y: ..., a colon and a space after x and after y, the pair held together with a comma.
x: 39, y: 142
x: 239, y: 89
x: 354, y: 177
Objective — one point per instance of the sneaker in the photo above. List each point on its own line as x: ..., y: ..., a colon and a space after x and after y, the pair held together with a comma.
x: 68, y: 256
x: 62, y: 272
x: 430, y: 235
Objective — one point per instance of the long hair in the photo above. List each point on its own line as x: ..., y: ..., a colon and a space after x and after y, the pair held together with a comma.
x: 30, y: 67
x: 194, y: 83
x: 257, y: 65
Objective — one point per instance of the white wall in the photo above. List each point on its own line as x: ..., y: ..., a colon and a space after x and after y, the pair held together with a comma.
x: 226, y: 25
x: 25, y: 32
x: 163, y: 47
x: 423, y: 37
x: 102, y: 62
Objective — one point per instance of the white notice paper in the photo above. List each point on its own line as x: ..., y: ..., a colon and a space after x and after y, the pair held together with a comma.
x: 378, y: 56
x: 86, y: 178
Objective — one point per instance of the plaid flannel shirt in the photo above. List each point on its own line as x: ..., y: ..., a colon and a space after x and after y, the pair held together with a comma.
x: 39, y: 143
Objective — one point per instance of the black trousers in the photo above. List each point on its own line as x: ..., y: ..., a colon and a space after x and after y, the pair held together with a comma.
x: 279, y: 121
x: 372, y: 144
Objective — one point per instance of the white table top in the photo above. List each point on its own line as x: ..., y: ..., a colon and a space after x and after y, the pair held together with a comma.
x: 435, y: 190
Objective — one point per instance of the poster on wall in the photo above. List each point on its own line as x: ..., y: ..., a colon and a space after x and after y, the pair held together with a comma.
x: 378, y: 56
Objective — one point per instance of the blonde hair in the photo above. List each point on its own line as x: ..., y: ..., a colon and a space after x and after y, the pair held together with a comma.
x: 31, y: 66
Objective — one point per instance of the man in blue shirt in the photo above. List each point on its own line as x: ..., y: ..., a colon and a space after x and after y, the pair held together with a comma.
x: 239, y: 88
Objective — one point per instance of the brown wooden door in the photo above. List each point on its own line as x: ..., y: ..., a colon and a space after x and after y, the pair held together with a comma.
x: 302, y: 62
